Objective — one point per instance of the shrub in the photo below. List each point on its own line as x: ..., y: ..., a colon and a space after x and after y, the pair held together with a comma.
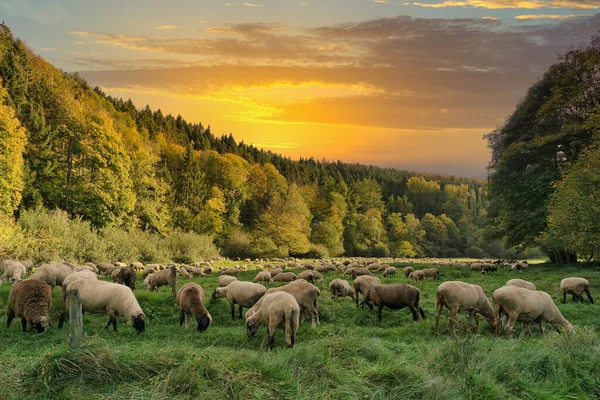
x: 475, y: 252
x: 317, y: 251
x: 187, y: 247
x: 237, y: 244
x: 264, y: 247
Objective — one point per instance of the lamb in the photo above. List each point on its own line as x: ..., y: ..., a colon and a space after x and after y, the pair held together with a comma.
x: 278, y: 310
x: 432, y: 273
x: 389, y: 271
x: 184, y: 273
x: 408, y: 271
x: 521, y: 283
x: 526, y: 305
x: 341, y: 288
x: 395, y: 297
x: 417, y: 275
x: 306, y: 295
x: 283, y: 277
x: 72, y: 277
x: 101, y: 297
x: 190, y: 299
x: 225, y: 280
x: 53, y: 274
x: 358, y: 271
x: 30, y: 300
x: 126, y: 276
x: 576, y: 286
x: 311, y: 276
x: 157, y: 279
x: 460, y: 296
x: 244, y: 294
x: 230, y: 271
x: 263, y: 276
x: 363, y: 284
x: 13, y: 271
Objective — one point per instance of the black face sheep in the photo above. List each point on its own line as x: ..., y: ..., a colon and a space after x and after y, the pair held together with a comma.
x: 126, y: 276
x: 576, y: 286
x: 53, y: 274
x: 526, y: 305
x: 137, y: 266
x: 225, y: 280
x: 207, y: 270
x: 306, y: 295
x: 75, y: 276
x: 363, y: 284
x: 30, y: 300
x: 101, y: 297
x: 283, y: 277
x: 311, y: 276
x: 278, y: 310
x: 244, y: 294
x: 417, y: 275
x: 147, y: 271
x: 262, y: 276
x: 395, y: 297
x: 432, y: 273
x: 190, y: 299
x: 521, y: 283
x: 460, y: 296
x: 389, y: 271
x: 408, y: 271
x: 341, y: 288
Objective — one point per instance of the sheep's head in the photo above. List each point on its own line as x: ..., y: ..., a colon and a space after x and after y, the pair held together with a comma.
x: 411, y: 275
x: 40, y: 324
x: 252, y: 325
x: 204, y: 321
x: 139, y: 322
x: 367, y: 300
x: 218, y: 293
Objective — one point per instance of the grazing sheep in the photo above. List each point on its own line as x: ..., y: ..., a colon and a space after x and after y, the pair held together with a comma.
x: 489, y: 268
x: 311, y: 276
x: 576, y: 286
x: 395, y: 297
x: 363, y: 284
x: 276, y: 271
x: 306, y: 295
x: 53, y: 274
x: 244, y: 294
x: 183, y: 272
x: 389, y: 271
x: 373, y: 267
x: 137, y: 266
x: 72, y: 277
x: 85, y: 268
x: 147, y: 271
x: 432, y: 273
x: 357, y: 271
x: 30, y: 300
x: 521, y: 283
x: 341, y: 288
x: 190, y: 299
x: 408, y: 271
x: 207, y: 270
x: 323, y: 269
x: 13, y: 271
x: 157, y: 279
x: 283, y: 277
x: 519, y: 266
x: 417, y: 275
x: 477, y: 266
x: 230, y: 271
x: 526, y: 305
x: 103, y: 267
x: 278, y: 310
x: 196, y: 272
x: 101, y: 297
x: 120, y: 265
x: 263, y: 276
x: 460, y: 296
x: 126, y: 276
x: 225, y: 280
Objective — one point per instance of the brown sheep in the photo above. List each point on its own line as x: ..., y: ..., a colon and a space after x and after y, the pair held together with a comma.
x: 417, y: 275
x: 30, y: 300
x: 230, y: 271
x: 190, y: 299
x: 126, y: 276
x: 357, y: 271
x: 311, y: 276
x: 395, y: 297
x: 432, y: 273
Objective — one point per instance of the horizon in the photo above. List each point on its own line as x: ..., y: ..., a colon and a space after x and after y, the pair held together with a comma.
x: 407, y: 86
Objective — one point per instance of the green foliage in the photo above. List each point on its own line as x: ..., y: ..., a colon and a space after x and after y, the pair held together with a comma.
x: 189, y: 247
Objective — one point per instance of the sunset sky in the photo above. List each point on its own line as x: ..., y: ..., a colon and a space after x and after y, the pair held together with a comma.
x: 407, y: 84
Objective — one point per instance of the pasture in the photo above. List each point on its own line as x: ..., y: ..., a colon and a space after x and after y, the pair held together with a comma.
x: 350, y: 355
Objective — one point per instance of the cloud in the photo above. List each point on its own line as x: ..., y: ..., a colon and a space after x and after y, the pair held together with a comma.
x: 551, y: 16
x: 523, y: 4
x: 252, y: 5
x: 382, y: 1
x: 247, y: 28
x: 165, y: 27
x: 490, y: 18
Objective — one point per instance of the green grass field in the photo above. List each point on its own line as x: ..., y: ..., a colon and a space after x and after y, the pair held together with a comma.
x: 349, y: 356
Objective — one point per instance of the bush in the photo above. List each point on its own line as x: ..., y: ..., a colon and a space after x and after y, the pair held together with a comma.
x: 237, y: 244
x: 381, y: 250
x: 187, y: 247
x: 264, y: 247
x: 318, y: 251
x: 475, y: 252
x: 12, y: 241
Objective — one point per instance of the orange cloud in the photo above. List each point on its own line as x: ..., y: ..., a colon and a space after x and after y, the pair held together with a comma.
x: 165, y: 27
x: 525, y: 4
x: 549, y: 16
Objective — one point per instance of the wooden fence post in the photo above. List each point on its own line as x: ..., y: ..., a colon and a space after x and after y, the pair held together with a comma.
x: 76, y: 320
x: 174, y: 281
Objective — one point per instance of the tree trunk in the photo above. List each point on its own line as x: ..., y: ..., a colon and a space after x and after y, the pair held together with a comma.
x: 76, y: 321
x: 174, y: 281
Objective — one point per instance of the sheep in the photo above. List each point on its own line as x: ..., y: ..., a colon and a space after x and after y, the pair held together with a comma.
x: 526, y: 305
x: 341, y: 288
x: 408, y: 271
x: 225, y: 280
x: 147, y: 271
x: 488, y: 268
x: 120, y: 264
x: 576, y: 286
x: 521, y: 283
x: 395, y: 297
x: 84, y: 268
x: 477, y: 266
x: 276, y: 271
x: 306, y: 295
x: 103, y: 267
x: 432, y: 273
x: 262, y: 276
x: 230, y: 271
x: 373, y: 267
x: 208, y: 270
x: 53, y: 274
x: 190, y: 299
x: 283, y: 277
x: 13, y: 271
x: 72, y: 277
x: 157, y: 279
x: 137, y: 266
x: 244, y: 294
x: 357, y: 271
x: 417, y: 275
x: 126, y: 276
x: 101, y: 297
x: 362, y: 285
x: 460, y: 296
x: 278, y: 310
x: 311, y: 276
x: 519, y: 266
x: 30, y: 300
x: 183, y: 272
x: 109, y: 271
x: 389, y: 271
x: 323, y: 269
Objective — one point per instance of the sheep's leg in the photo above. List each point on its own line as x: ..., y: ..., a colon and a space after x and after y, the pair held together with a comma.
x: 24, y: 324
x: 109, y: 322
x: 379, y: 313
x: 498, y: 313
x: 564, y: 297
x: 438, y: 308
x: 63, y: 318
x: 470, y: 321
x: 233, y: 311
x: 10, y: 315
x: 314, y: 317
x: 115, y: 324
x: 240, y: 311
x: 414, y: 312
x: 453, y: 312
x: 589, y: 295
x: 357, y: 299
x: 476, y: 321
x: 181, y: 318
x: 510, y: 322
x: 271, y: 330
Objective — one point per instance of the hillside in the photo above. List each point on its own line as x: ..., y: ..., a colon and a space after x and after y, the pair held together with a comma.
x: 113, y: 165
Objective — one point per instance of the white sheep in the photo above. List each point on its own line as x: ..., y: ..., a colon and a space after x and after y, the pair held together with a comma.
x: 53, y: 274
x: 576, y: 286
x: 13, y: 271
x: 278, y: 310
x: 225, y: 280
x: 72, y: 277
x: 341, y: 288
x: 244, y: 294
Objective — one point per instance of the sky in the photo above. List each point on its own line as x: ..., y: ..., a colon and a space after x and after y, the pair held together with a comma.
x: 396, y: 83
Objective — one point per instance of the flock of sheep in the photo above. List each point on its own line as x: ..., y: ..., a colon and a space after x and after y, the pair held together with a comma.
x: 277, y: 307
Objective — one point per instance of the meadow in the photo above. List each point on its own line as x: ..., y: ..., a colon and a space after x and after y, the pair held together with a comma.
x: 350, y: 355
